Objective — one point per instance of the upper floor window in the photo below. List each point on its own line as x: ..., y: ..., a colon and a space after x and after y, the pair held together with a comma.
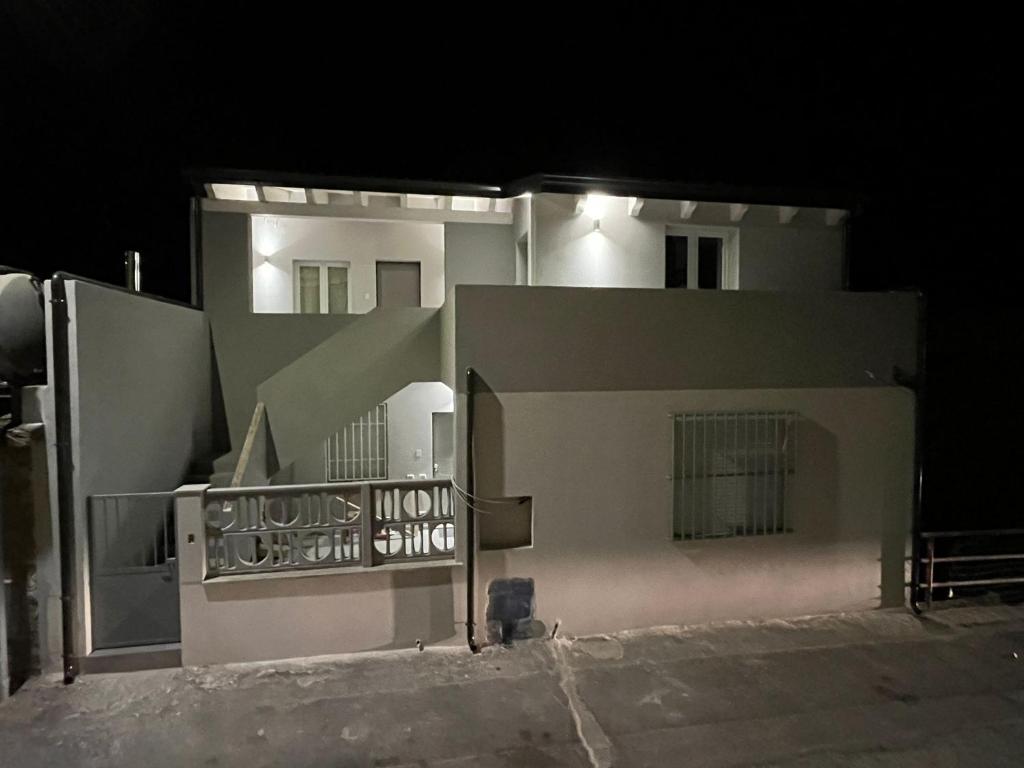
x: 699, y: 257
x: 321, y: 287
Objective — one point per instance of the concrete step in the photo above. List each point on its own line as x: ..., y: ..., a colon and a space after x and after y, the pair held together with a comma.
x: 132, y: 659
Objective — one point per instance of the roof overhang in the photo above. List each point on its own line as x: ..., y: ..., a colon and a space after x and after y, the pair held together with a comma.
x: 541, y: 183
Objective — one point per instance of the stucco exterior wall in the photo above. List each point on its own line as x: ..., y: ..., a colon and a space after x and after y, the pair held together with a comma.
x: 410, y: 426
x: 409, y: 433
x: 626, y: 252
x: 478, y: 253
x: 279, y: 241
x: 791, y: 258
x: 629, y: 251
x: 249, y: 348
x: 576, y: 390
x: 140, y: 406
x: 288, y: 616
x: 598, y: 467
x: 349, y: 363
x: 569, y: 339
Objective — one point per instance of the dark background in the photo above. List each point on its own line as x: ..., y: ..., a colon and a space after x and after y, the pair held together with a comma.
x: 908, y: 107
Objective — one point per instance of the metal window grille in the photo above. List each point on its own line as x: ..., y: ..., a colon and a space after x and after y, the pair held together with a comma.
x: 732, y: 473
x: 360, y: 450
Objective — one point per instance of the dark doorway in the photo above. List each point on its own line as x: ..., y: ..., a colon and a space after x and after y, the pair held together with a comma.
x: 675, y: 261
x: 709, y: 262
x: 398, y: 284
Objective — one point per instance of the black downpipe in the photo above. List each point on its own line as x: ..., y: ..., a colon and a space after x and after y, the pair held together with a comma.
x: 470, y: 520
x: 920, y: 389
x: 196, y: 237
x: 65, y: 497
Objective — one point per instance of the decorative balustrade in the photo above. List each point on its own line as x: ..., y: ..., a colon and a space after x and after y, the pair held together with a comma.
x: 297, y: 527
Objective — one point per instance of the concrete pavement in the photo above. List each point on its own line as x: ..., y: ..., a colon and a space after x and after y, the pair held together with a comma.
x: 872, y: 689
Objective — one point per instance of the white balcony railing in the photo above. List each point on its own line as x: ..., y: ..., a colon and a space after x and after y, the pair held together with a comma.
x: 297, y: 527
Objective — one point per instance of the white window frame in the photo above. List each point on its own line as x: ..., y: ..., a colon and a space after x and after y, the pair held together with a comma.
x: 729, y: 280
x: 324, y: 292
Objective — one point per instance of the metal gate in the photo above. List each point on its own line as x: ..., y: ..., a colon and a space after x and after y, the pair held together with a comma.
x: 133, y: 570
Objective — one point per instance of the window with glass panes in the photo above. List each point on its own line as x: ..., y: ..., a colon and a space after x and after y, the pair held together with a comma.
x: 701, y: 257
x: 321, y: 287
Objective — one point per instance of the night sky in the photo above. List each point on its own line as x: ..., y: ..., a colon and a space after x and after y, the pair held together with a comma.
x: 105, y: 104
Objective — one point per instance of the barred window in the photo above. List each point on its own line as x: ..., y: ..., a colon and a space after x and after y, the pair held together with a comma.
x: 732, y: 473
x: 360, y: 450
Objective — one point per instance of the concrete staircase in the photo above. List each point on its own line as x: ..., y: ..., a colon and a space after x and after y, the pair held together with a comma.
x: 342, y: 378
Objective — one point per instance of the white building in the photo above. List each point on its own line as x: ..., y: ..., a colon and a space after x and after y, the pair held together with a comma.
x: 604, y: 404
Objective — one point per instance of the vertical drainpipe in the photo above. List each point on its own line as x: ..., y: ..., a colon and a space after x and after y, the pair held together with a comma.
x: 133, y: 271
x: 196, y: 251
x: 470, y: 521
x: 919, y: 437
x: 65, y: 496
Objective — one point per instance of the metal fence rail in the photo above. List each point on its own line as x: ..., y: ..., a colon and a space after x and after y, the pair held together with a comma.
x: 328, y: 525
x: 131, y: 532
x: 731, y: 473
x: 360, y: 450
x: 925, y: 568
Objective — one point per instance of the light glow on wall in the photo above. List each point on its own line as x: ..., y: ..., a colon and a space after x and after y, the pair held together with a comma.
x: 268, y: 235
x: 285, y: 195
x: 470, y: 203
x: 271, y: 288
x: 246, y: 192
x: 596, y: 205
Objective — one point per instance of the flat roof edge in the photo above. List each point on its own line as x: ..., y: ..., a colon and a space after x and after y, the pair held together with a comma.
x: 542, y: 183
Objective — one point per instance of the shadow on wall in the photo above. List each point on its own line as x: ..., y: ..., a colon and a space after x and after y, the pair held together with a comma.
x: 510, y: 612
x: 816, y: 497
x: 504, y: 522
x: 220, y: 435
x: 18, y: 520
x: 489, y: 457
x: 823, y: 519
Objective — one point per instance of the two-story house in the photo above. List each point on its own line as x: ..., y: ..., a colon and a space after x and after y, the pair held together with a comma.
x: 406, y: 413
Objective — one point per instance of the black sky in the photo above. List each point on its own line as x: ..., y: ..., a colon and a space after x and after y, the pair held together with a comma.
x: 105, y: 105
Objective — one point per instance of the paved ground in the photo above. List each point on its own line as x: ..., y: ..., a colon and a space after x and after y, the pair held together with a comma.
x: 878, y: 689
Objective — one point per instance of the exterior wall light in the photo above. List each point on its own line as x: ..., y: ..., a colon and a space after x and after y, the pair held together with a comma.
x: 595, y: 206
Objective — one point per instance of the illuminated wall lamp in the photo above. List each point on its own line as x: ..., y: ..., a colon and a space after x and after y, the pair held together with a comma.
x: 594, y: 206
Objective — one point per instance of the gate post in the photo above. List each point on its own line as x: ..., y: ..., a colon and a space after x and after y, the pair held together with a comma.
x: 190, y: 523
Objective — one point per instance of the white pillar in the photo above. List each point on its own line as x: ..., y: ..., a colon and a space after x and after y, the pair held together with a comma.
x: 189, y: 501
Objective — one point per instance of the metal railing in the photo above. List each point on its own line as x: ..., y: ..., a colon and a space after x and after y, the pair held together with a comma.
x: 131, y: 533
x: 360, y: 450
x: 732, y: 473
x: 328, y: 525
x: 925, y: 568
